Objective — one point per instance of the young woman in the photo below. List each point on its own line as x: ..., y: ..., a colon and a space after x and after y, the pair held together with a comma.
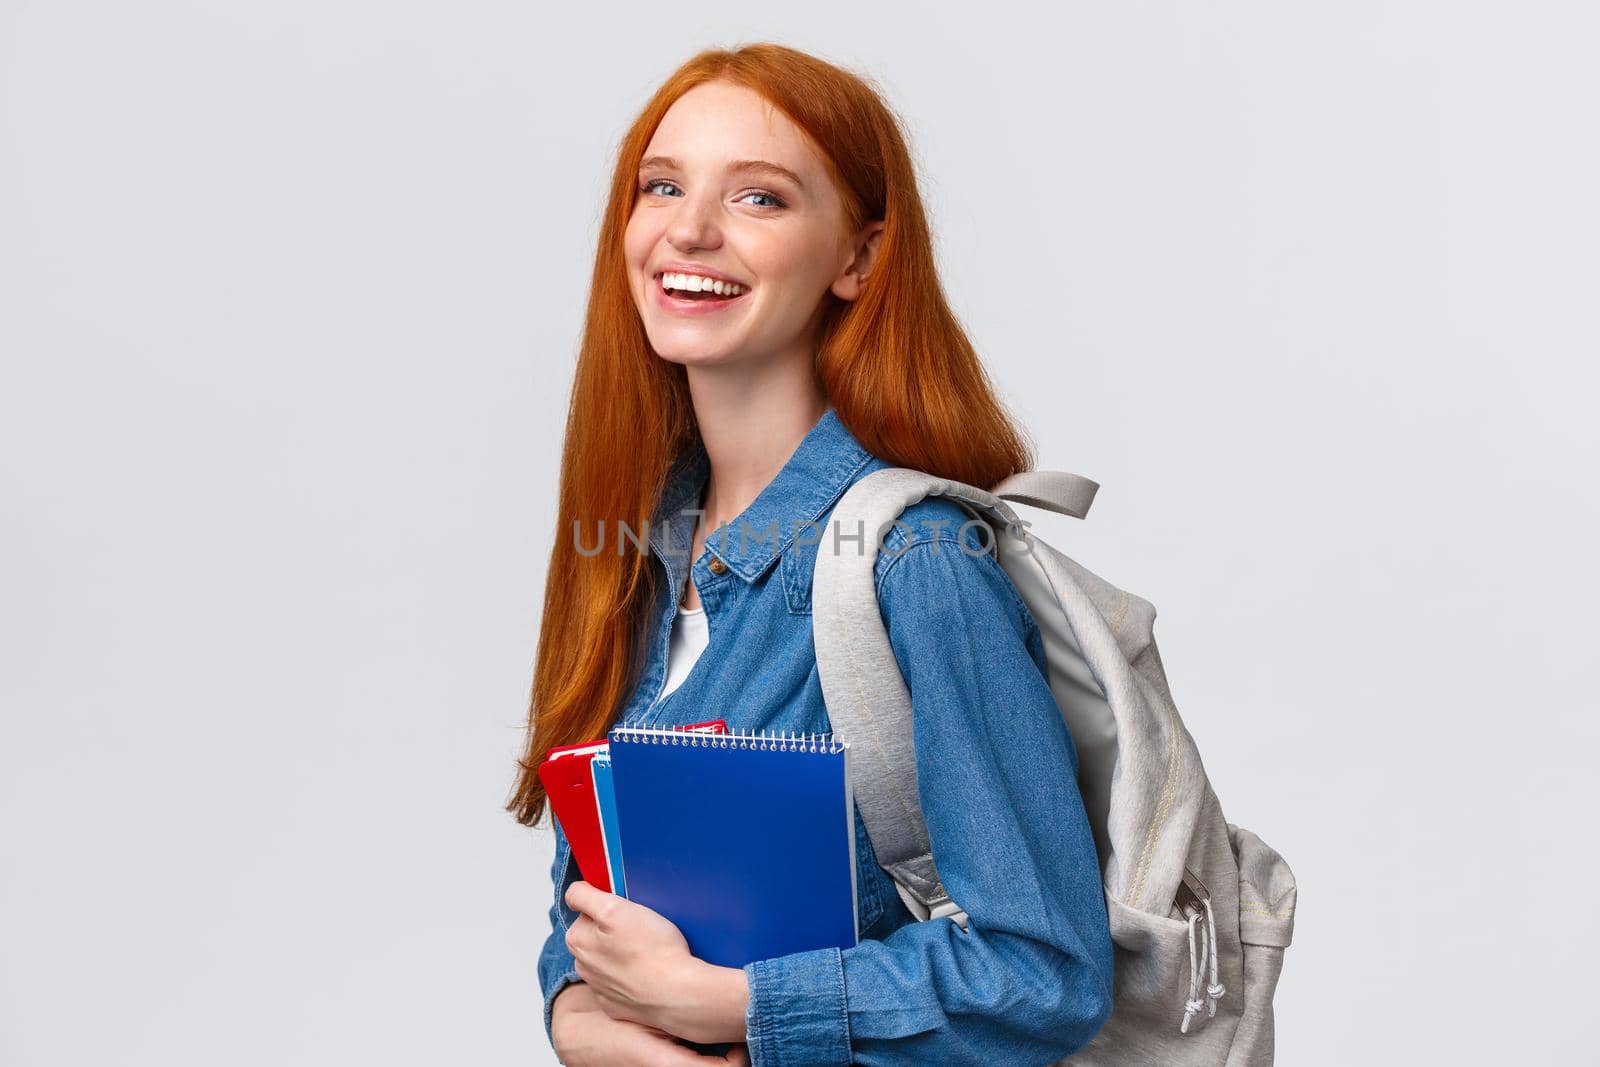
x: 817, y: 349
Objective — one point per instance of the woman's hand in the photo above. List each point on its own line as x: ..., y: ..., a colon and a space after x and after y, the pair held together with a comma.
x: 585, y: 1036
x: 639, y: 968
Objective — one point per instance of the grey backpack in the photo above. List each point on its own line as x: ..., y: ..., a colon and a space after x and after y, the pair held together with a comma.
x: 1200, y: 909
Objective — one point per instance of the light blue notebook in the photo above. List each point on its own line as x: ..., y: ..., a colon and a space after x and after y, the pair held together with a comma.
x: 606, y: 798
x: 746, y: 842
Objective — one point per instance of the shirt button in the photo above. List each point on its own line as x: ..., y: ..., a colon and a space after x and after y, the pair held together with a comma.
x: 717, y: 566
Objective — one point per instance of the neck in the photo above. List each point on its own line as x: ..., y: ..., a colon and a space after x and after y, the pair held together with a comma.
x: 751, y: 420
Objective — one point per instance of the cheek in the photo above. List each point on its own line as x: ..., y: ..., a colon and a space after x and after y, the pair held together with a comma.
x: 798, y: 260
x: 640, y: 236
x: 635, y: 254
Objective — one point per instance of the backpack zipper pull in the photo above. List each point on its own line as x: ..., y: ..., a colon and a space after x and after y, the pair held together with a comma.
x: 1192, y: 893
x: 1194, y: 900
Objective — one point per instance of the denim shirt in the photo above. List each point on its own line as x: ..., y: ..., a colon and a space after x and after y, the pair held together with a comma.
x: 1029, y: 980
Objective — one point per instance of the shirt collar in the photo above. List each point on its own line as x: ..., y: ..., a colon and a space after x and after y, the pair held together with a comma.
x: 806, y: 488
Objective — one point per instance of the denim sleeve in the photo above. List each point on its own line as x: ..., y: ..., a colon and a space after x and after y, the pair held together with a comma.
x: 555, y: 960
x: 1029, y: 980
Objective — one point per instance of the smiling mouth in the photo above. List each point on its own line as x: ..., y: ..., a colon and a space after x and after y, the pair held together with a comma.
x: 698, y: 289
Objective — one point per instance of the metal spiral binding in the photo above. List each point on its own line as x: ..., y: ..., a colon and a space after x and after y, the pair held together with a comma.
x: 785, y: 741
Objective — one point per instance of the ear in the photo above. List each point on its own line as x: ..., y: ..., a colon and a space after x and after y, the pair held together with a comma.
x: 864, y: 253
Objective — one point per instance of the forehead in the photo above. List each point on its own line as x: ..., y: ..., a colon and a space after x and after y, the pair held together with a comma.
x: 718, y: 122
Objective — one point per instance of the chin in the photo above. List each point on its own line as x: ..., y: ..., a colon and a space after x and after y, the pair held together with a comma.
x: 697, y: 357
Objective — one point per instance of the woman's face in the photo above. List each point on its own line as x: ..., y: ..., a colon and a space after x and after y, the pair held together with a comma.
x: 731, y: 188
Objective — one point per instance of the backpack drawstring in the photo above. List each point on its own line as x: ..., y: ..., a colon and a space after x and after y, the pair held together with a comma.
x: 1194, y: 1003
x: 1197, y: 966
x: 1215, y: 990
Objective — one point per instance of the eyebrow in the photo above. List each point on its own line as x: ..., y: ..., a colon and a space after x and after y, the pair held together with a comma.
x: 742, y: 166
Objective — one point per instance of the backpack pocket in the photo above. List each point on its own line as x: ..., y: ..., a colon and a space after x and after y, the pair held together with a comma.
x: 1267, y: 899
x: 1151, y: 975
x: 1267, y: 891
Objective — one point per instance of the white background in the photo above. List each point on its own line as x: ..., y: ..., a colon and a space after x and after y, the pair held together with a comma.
x: 289, y: 299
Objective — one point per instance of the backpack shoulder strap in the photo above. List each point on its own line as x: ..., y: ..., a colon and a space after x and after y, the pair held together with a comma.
x: 1058, y: 491
x: 866, y: 697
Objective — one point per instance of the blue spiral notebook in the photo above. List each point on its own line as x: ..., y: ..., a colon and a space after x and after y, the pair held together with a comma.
x: 745, y: 841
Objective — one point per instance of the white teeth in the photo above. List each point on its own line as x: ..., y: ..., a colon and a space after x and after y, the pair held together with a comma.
x: 694, y: 283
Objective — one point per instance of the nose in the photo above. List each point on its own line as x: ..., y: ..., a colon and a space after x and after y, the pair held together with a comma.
x: 695, y: 222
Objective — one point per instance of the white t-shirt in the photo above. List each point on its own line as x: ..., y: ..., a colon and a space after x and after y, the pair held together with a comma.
x: 690, y: 634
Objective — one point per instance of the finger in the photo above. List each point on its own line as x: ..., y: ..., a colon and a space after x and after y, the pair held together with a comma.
x: 640, y: 1044
x: 579, y: 895
x: 602, y: 906
x: 684, y: 1056
x: 739, y: 1054
x: 625, y: 1043
x: 577, y: 935
x: 597, y: 904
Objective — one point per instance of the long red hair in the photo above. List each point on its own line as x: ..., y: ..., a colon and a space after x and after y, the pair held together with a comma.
x: 895, y: 364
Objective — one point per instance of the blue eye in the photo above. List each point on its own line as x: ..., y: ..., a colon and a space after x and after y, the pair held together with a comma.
x: 776, y: 200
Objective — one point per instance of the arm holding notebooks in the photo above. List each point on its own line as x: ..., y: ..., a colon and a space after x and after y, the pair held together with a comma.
x: 641, y: 970
x: 1032, y: 973
x: 557, y: 967
x: 613, y: 1040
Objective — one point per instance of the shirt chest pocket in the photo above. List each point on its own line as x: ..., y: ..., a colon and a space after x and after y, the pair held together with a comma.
x: 794, y: 571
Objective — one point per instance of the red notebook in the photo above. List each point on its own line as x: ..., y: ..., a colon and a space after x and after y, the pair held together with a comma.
x: 569, y: 784
x: 567, y: 781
